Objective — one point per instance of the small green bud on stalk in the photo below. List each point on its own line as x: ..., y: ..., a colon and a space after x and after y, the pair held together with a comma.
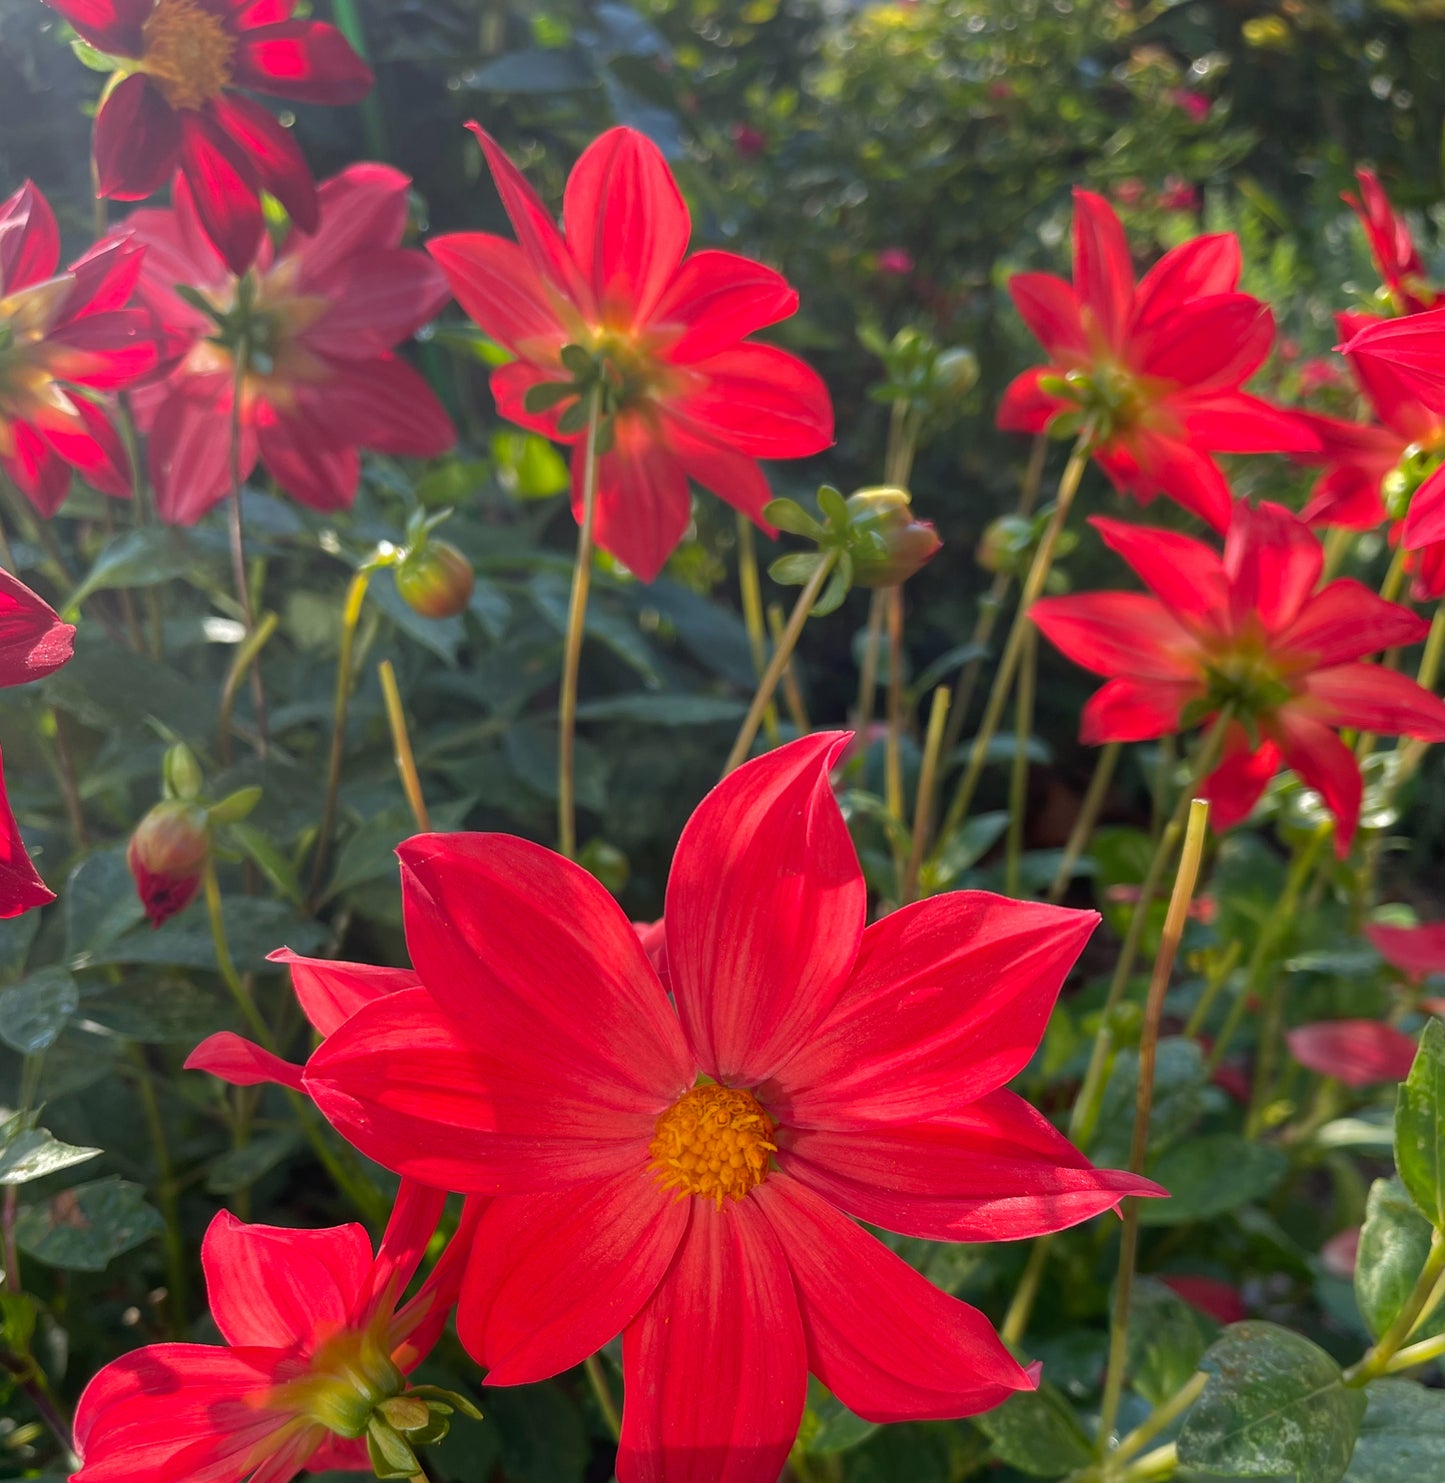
x: 435, y: 579
x: 885, y: 541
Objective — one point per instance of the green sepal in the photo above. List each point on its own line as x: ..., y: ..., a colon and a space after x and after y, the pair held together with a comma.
x: 390, y: 1456
x: 543, y: 398
x: 790, y: 516
x: 794, y: 569
x: 833, y: 506
x: 235, y: 807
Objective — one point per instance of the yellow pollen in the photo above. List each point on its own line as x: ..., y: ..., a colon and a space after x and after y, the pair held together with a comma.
x: 715, y: 1141
x: 188, y: 52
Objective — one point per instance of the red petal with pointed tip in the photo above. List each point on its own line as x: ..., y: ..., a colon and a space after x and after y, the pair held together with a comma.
x: 29, y: 240
x: 1235, y: 786
x: 1415, y: 951
x: 761, y: 401
x: 241, y: 1063
x: 1184, y: 574
x: 273, y: 154
x: 496, y: 284
x: 1207, y: 344
x: 309, y: 61
x: 137, y: 141
x: 362, y: 208
x: 1373, y: 698
x: 222, y: 178
x: 1196, y: 269
x: 1103, y: 270
x: 1111, y: 633
x: 1327, y: 765
x: 717, y: 298
x: 1050, y: 308
x: 330, y: 992
x: 1273, y: 561
x: 1345, y: 620
x: 33, y: 641
x: 643, y: 507
x: 190, y: 466
x: 1026, y: 407
x: 1128, y: 710
x: 21, y: 888
x: 111, y: 26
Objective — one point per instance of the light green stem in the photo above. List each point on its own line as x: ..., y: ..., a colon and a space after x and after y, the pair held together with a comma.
x: 572, y: 647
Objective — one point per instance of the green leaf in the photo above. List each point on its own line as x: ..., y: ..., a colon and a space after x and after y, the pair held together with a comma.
x: 1210, y: 1176
x: 34, y: 1011
x: 32, y: 1153
x: 1420, y: 1126
x: 828, y: 1425
x: 964, y: 848
x: 159, y: 1009
x: 112, y: 690
x: 531, y: 751
x: 1402, y: 1438
x: 796, y: 568
x: 541, y: 1435
x: 790, y: 516
x: 1275, y: 1406
x: 243, y: 1166
x: 269, y: 860
x: 236, y: 807
x: 1167, y: 1338
x: 1037, y: 1433
x: 143, y: 558
x: 100, y: 904
x: 255, y: 926
x: 1394, y: 1243
x: 651, y: 709
x: 83, y: 1228
x: 1180, y: 1086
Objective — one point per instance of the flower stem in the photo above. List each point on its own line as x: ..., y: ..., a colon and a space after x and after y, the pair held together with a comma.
x: 782, y: 652
x: 927, y: 774
x: 1088, y: 816
x: 179, y: 1305
x: 1016, y: 1320
x: 1174, y: 922
x: 1413, y: 1355
x: 401, y: 746
x: 893, y: 748
x: 597, y: 1379
x: 350, y: 619
x: 868, y: 674
x: 1417, y: 1307
x: 751, y: 592
x: 1018, y: 788
x: 572, y: 646
x: 1013, y: 646
x: 1161, y: 1418
x: 792, y: 693
x: 246, y: 654
x: 238, y: 549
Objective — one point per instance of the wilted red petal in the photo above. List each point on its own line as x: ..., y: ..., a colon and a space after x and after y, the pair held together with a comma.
x: 765, y: 907
x: 882, y: 1338
x: 715, y: 1364
x: 1359, y: 1053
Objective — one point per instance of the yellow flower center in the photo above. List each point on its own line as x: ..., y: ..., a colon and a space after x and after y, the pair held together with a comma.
x: 188, y: 52
x: 715, y: 1141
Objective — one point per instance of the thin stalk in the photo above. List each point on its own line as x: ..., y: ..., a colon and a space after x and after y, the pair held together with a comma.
x: 166, y: 1197
x: 1016, y: 1320
x: 1086, y: 1107
x: 1088, y: 816
x: 927, y: 774
x: 1413, y: 1355
x: 1013, y: 647
x: 1160, y: 1419
x: 751, y: 592
x: 1218, y: 977
x: 1162, y: 1462
x: 350, y: 619
x: 401, y: 747
x: 792, y: 691
x: 1417, y: 1305
x: 893, y: 748
x: 1018, y: 787
x: 1174, y: 923
x: 238, y: 549
x: 781, y: 654
x: 868, y: 675
x: 597, y: 1379
x: 69, y: 788
x: 572, y: 647
x: 246, y: 653
x: 1338, y: 541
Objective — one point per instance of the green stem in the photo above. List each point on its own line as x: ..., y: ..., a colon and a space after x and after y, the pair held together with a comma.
x: 1174, y: 923
x: 927, y: 774
x: 792, y: 691
x: 401, y: 747
x: 781, y: 654
x: 893, y: 750
x: 238, y: 546
x: 1016, y: 1320
x: 572, y: 646
x: 1376, y: 1362
x: 246, y: 654
x: 1414, y: 1355
x: 1018, y: 789
x: 597, y: 1379
x: 1083, y: 829
x: 1161, y: 1418
x: 751, y: 592
x: 868, y: 674
x: 1013, y: 647
x: 166, y: 1196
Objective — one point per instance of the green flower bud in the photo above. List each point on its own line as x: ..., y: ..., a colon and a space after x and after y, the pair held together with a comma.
x: 435, y: 579
x: 886, y: 543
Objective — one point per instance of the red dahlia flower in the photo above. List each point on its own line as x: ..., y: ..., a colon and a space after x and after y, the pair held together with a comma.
x: 694, y: 398
x: 683, y: 1170
x: 1405, y: 288
x: 59, y: 331
x: 315, y: 323
x: 316, y: 1346
x: 1248, y: 632
x: 1153, y: 369
x: 172, y: 105
x: 1359, y: 1053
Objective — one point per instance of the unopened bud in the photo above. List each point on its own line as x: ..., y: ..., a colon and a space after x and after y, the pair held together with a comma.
x: 1007, y: 545
x: 956, y: 371
x: 435, y: 579
x: 167, y: 856
x: 886, y: 543
x: 181, y: 773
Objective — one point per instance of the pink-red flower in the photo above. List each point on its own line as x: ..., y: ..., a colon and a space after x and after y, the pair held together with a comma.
x: 1248, y: 632
x: 692, y: 397
x: 173, y: 105
x: 1405, y: 288
x: 1359, y: 1053
x: 64, y: 337
x: 167, y: 857
x: 1153, y: 370
x: 682, y: 1170
x: 317, y: 1342
x: 315, y: 325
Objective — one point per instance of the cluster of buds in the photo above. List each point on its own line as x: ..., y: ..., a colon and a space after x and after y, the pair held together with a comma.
x: 869, y: 539
x: 929, y: 379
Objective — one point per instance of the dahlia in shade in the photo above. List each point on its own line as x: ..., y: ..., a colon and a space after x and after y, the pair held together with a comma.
x: 683, y: 1170
x: 316, y: 322
x: 174, y: 106
x: 1405, y: 288
x: 1153, y: 370
x: 60, y: 331
x: 318, y: 1343
x: 1248, y: 631
x: 1359, y: 1053
x: 692, y: 398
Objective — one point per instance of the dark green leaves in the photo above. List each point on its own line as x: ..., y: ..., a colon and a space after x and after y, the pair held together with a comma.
x: 1167, y: 1339
x: 1394, y: 1243
x: 1208, y: 1176
x: 1037, y: 1433
x: 81, y: 1229
x: 1402, y: 1438
x: 1420, y: 1126
x: 1275, y: 1406
x: 32, y: 1153
x: 34, y: 1012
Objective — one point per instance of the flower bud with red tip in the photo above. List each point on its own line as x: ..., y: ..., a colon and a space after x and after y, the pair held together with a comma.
x: 435, y: 579
x: 887, y: 543
x: 167, y: 857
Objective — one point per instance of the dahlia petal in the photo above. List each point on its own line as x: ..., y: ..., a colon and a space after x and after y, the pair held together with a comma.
x: 995, y: 1170
x: 1346, y: 620
x: 272, y: 1288
x: 511, y: 383
x: 1113, y: 633
x: 190, y: 465
x: 36, y: 469
x: 1235, y: 422
x: 643, y: 506
x: 1359, y: 1053
x: 1416, y: 951
x: 401, y: 1083
x: 1146, y: 464
x: 222, y: 180
x: 29, y: 240
x: 1050, y: 309
x: 377, y: 299
x: 518, y: 944
x: 309, y: 61
x: 1324, y: 763
x: 1273, y: 561
x: 880, y: 1336
x: 554, y: 1277
x: 1410, y: 349
x: 1425, y: 519
x: 330, y: 992
x: 273, y: 153
x: 1236, y: 785
x: 497, y: 285
x: 1347, y: 497
x: 242, y: 1063
x: 764, y: 911
x: 947, y: 1002
x: 1184, y: 574
x: 1196, y: 269
x: 384, y: 404
x: 137, y: 141
x: 714, y: 300
x: 1374, y: 698
x: 1130, y: 710
x: 420, y: 1322
x: 111, y: 26
x: 626, y: 224
x: 733, y: 477
x: 177, y: 1413
x: 715, y: 1364
x: 89, y: 444
x: 363, y: 208
x: 21, y: 888
x: 105, y: 277
x: 761, y: 401
x: 1103, y: 270
x: 300, y: 452
x: 413, y: 1221
x: 33, y: 641
x: 1208, y: 344
x: 1025, y: 406
x: 104, y: 351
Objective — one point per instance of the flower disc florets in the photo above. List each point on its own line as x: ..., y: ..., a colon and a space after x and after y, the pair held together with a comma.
x: 716, y: 1141
x: 188, y: 53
